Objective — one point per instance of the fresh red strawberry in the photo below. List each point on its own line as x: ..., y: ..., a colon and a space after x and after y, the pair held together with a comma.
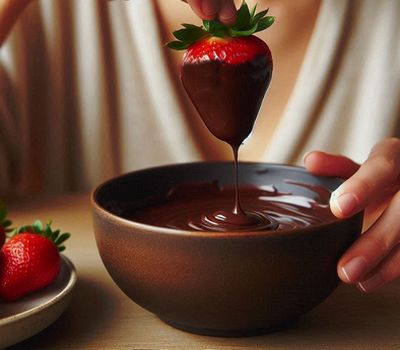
x: 226, y: 71
x: 4, y: 223
x: 30, y: 260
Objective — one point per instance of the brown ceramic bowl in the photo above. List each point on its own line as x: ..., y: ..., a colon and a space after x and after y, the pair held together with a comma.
x: 226, y: 284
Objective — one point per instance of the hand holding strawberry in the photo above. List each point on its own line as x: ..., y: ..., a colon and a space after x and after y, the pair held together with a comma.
x: 30, y: 260
x: 223, y: 10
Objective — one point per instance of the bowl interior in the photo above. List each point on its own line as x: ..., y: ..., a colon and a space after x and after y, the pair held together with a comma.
x: 120, y: 196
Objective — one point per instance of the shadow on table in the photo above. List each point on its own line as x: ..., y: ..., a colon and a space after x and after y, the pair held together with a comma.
x: 347, y: 320
x: 92, y: 305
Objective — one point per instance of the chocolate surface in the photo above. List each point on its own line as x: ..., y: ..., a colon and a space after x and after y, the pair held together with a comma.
x: 208, y: 207
x: 228, y: 97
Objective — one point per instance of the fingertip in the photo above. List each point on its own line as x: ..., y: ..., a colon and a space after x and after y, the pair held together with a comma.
x: 343, y: 204
x: 334, y: 205
x: 314, y: 161
x: 341, y: 272
x: 305, y: 156
x: 361, y: 288
x: 227, y: 13
x: 343, y: 275
x: 203, y: 9
x: 228, y: 20
x: 210, y: 9
x: 371, y: 284
x: 352, y: 269
x: 324, y: 164
x: 335, y: 209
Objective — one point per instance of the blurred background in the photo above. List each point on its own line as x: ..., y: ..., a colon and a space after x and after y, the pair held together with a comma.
x: 89, y: 91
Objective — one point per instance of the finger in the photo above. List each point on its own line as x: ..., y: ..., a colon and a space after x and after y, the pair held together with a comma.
x: 227, y: 13
x: 205, y: 9
x: 378, y: 173
x: 386, y: 272
x: 324, y: 164
x: 373, y: 246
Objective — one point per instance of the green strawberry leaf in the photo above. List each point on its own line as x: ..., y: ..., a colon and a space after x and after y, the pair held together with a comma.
x: 240, y: 33
x: 62, y: 238
x: 6, y: 223
x: 243, y: 17
x: 217, y: 28
x: 37, y: 226
x: 55, y: 235
x: 19, y: 230
x: 189, y: 33
x: 253, y: 11
x: 265, y: 23
x: 47, y: 231
x: 260, y: 15
x: 3, y: 212
x: 206, y: 25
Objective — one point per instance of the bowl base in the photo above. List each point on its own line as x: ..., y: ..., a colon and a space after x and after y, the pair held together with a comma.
x: 229, y: 333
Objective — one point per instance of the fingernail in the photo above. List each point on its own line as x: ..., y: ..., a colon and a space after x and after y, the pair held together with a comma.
x: 354, y: 268
x: 372, y: 283
x: 306, y: 155
x: 346, y: 203
x: 210, y: 8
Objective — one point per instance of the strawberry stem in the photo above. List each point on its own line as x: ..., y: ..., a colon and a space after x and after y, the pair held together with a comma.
x: 37, y: 227
x: 247, y: 23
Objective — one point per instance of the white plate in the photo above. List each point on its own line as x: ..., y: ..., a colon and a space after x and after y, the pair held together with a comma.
x: 22, y: 319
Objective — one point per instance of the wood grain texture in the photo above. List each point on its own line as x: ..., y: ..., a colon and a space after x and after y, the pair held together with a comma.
x: 100, y: 316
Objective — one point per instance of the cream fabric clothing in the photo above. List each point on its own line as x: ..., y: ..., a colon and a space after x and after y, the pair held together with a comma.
x: 85, y: 92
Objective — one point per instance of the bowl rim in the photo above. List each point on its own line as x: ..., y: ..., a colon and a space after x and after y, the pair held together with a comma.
x: 152, y: 229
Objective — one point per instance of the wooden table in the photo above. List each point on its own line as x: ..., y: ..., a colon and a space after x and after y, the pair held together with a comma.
x: 100, y: 316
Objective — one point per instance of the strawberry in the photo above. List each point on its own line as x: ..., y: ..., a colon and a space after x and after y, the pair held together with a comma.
x: 226, y: 71
x: 4, y: 223
x: 30, y: 260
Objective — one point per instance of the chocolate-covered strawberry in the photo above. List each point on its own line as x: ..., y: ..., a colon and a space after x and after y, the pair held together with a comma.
x: 226, y: 71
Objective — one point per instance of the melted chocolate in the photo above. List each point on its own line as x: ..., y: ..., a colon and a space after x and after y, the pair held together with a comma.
x: 228, y: 98
x: 208, y: 207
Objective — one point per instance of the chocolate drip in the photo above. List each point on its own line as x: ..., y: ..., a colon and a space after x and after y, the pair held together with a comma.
x: 228, y: 98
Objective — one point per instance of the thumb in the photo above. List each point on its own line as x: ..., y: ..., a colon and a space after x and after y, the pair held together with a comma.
x: 343, y: 201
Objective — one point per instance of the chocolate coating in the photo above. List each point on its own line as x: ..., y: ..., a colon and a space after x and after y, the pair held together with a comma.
x: 228, y: 97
